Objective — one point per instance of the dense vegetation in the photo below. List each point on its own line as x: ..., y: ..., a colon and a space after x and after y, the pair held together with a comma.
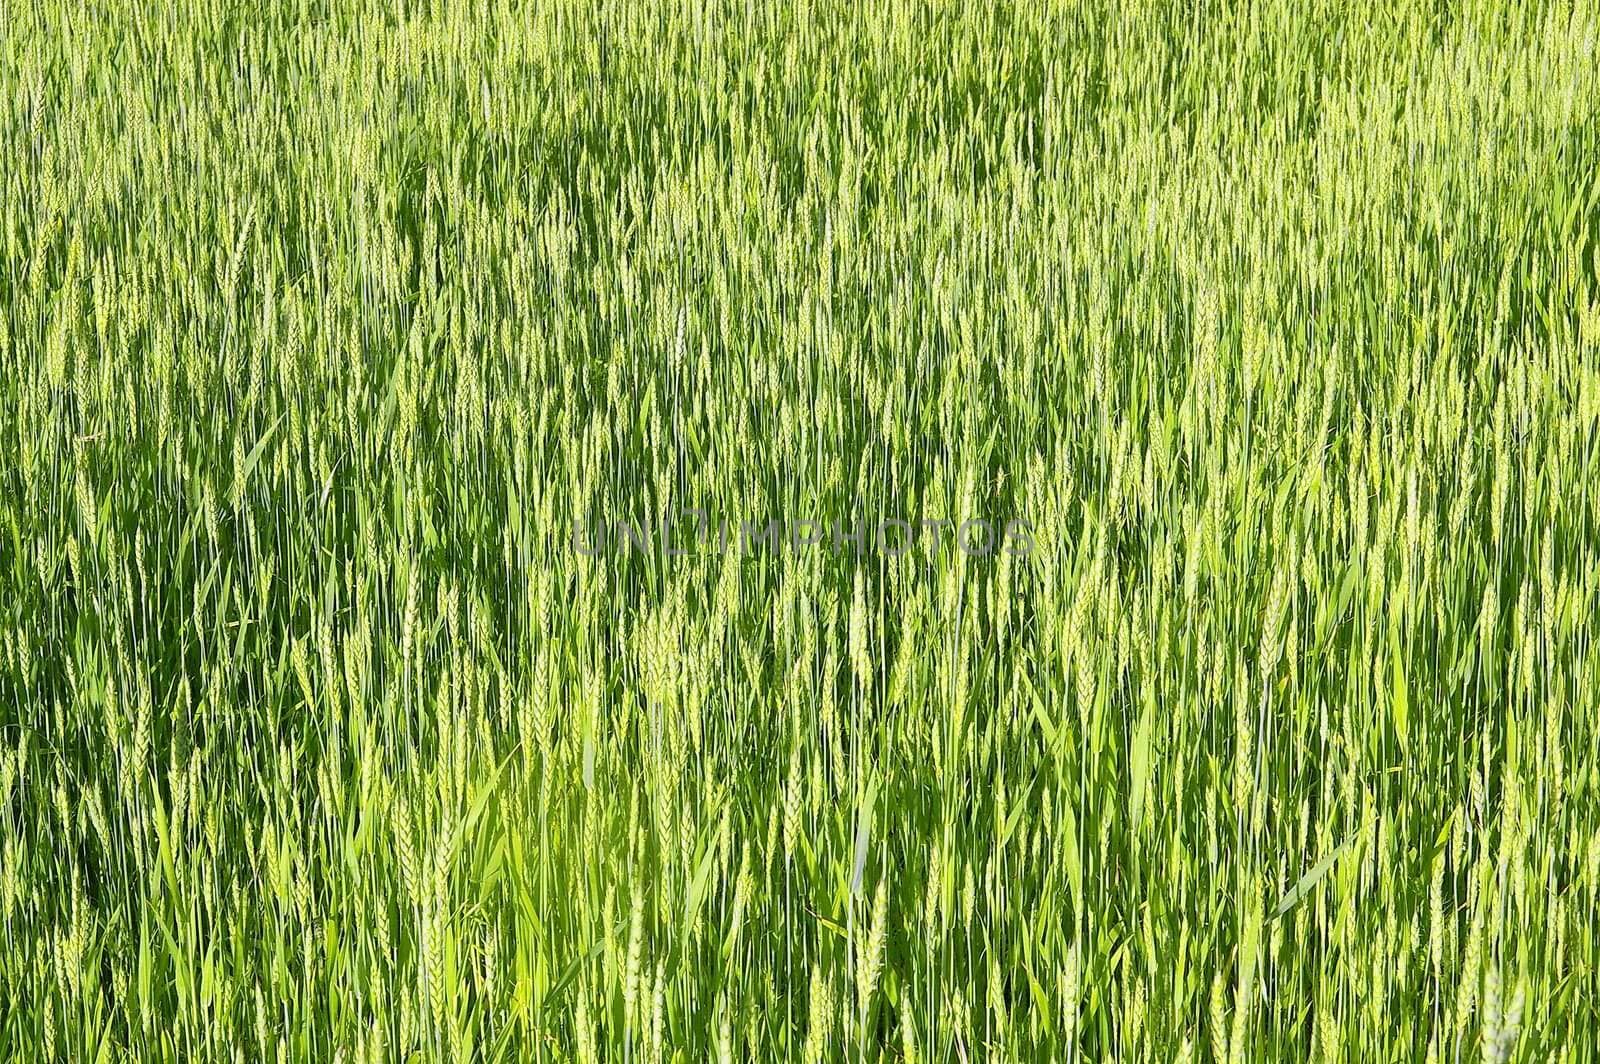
x: 327, y: 325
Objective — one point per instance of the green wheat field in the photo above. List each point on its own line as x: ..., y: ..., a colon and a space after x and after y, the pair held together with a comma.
x: 1228, y: 689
